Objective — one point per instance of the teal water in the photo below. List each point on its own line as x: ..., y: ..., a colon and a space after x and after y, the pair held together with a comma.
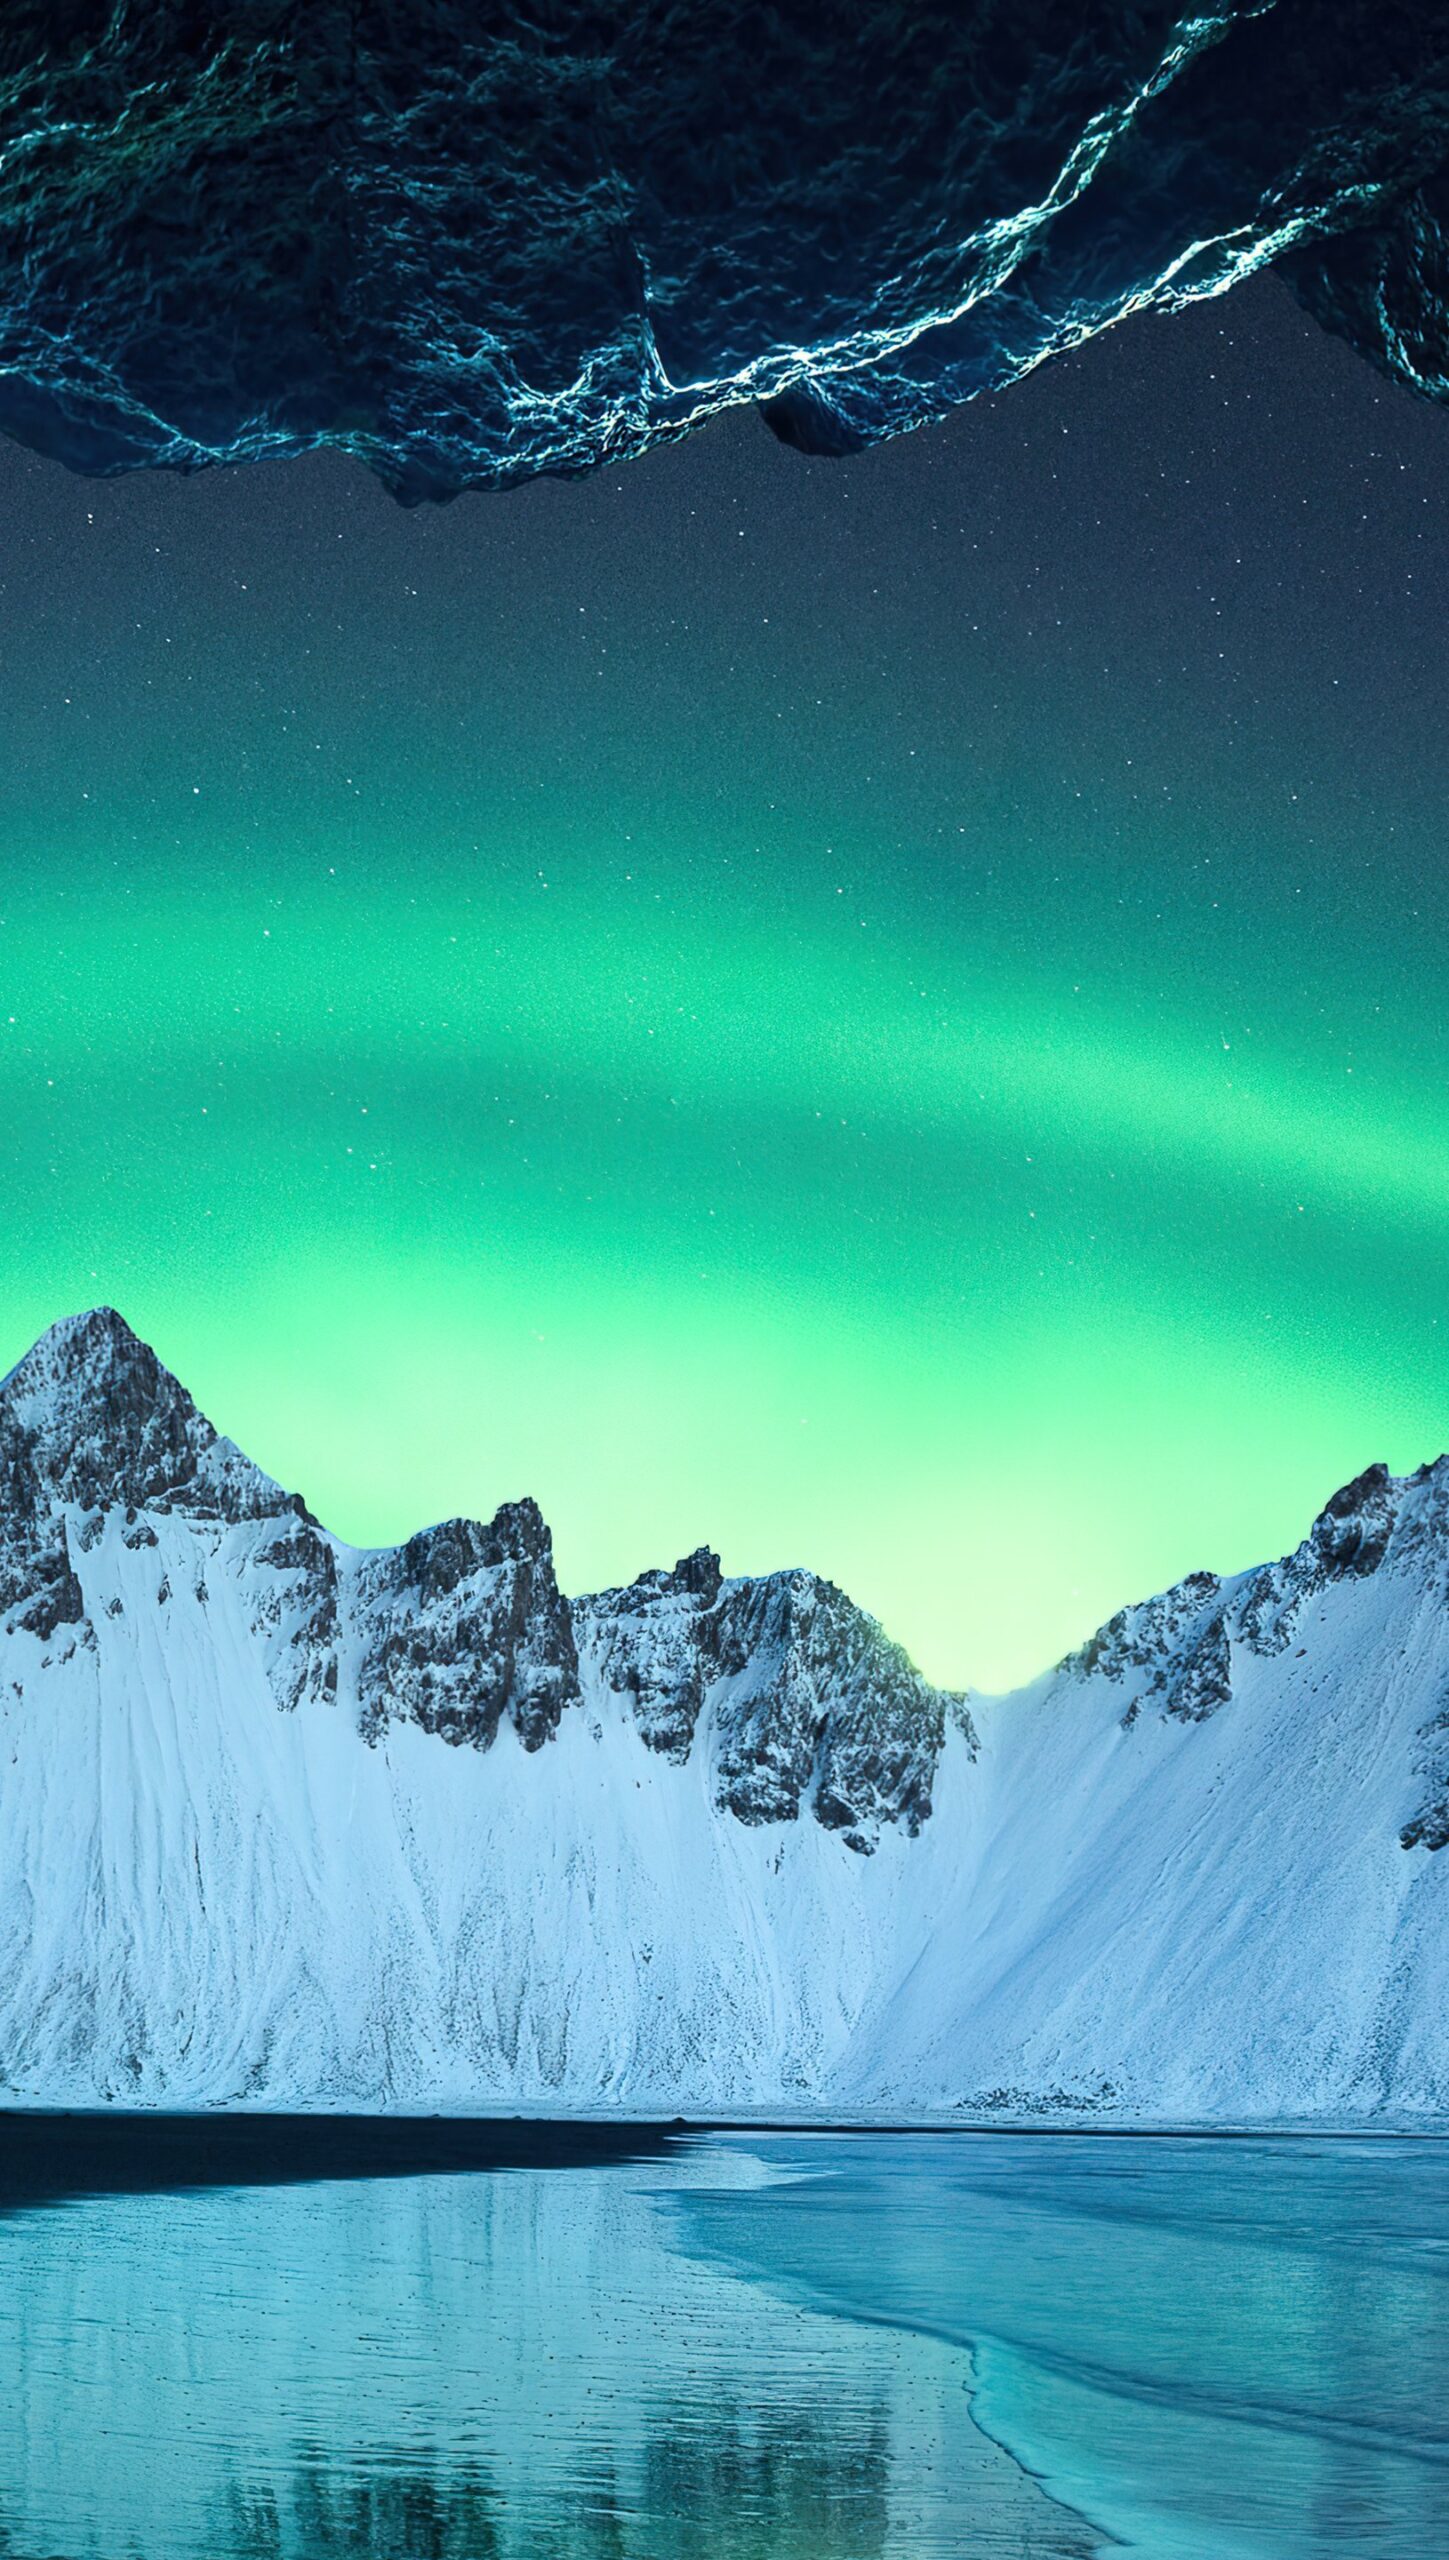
x: 1217, y: 2350
x: 297, y: 2343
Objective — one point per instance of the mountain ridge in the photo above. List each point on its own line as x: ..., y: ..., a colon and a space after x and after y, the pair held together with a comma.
x: 463, y: 1624
x: 701, y: 1844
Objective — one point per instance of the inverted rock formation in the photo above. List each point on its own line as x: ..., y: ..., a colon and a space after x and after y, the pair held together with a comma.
x: 469, y: 246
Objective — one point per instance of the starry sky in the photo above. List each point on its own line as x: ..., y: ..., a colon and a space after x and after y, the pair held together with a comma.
x: 887, y: 1015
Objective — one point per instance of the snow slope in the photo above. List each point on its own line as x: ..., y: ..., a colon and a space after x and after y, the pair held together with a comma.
x: 286, y: 1824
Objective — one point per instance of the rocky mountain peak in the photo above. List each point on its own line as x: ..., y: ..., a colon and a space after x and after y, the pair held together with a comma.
x: 436, y: 1560
x: 698, y: 1575
x: 1352, y: 1531
x: 703, y: 1839
x: 1178, y: 1649
x: 518, y: 1534
x: 90, y: 1369
x: 810, y: 1705
x: 466, y: 1625
x: 104, y: 1422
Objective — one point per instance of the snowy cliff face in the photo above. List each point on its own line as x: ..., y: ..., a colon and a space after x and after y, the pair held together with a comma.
x: 284, y: 1823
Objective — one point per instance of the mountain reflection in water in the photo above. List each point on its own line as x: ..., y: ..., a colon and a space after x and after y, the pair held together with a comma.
x: 247, y: 2342
x: 757, y: 2485
x: 397, y: 2515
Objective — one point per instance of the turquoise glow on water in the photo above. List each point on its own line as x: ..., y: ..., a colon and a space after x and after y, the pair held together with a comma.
x: 1217, y: 2350
x: 761, y: 2347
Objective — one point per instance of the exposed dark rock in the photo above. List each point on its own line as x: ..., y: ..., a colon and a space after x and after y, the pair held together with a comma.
x: 1137, y: 1637
x: 698, y: 1574
x: 796, y: 1697
x: 1201, y: 1679
x: 1181, y: 1642
x: 1174, y: 1650
x: 91, y: 1424
x: 470, y: 246
x: 50, y: 1595
x: 464, y: 1625
x: 302, y: 1604
x: 301, y: 1552
x: 809, y: 1704
x: 1353, y: 1536
x: 39, y: 1590
x: 648, y: 1644
x: 109, y: 1428
x: 822, y: 1707
x: 1429, y: 1827
x: 1352, y: 1531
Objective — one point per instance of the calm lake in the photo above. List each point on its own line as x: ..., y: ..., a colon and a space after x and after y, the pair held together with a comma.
x: 275, y: 2341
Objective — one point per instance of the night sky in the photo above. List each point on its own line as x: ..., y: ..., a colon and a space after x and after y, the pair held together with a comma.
x: 886, y: 1015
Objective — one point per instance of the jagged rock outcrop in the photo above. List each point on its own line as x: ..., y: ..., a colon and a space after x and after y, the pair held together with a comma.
x: 1350, y: 1538
x: 1428, y: 1827
x: 822, y: 1708
x: 1179, y: 1643
x: 96, y: 1437
x: 293, y: 1594
x: 649, y: 1643
x: 106, y: 1427
x: 810, y: 1702
x: 1177, y: 1650
x: 464, y: 1625
x: 470, y: 247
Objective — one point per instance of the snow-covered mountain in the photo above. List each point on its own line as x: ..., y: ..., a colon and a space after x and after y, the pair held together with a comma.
x: 284, y: 1823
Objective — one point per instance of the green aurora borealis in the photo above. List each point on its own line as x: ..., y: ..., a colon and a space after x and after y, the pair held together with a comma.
x: 886, y: 1016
